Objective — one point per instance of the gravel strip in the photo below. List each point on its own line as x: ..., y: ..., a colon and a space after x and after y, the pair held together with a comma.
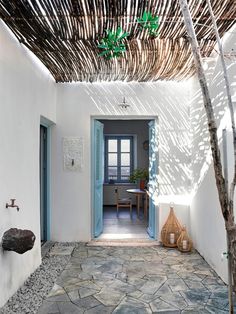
x: 30, y: 296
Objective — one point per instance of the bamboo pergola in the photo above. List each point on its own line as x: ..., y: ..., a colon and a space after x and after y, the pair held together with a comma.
x: 64, y: 35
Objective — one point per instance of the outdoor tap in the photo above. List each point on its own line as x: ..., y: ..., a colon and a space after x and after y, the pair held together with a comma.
x: 13, y: 204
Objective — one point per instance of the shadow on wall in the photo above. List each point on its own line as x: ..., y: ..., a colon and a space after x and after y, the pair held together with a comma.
x: 170, y: 102
x: 201, y: 158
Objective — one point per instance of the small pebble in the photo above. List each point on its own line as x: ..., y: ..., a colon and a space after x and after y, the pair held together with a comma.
x: 30, y: 296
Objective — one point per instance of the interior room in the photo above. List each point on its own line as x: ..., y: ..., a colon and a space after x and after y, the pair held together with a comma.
x: 129, y: 151
x: 93, y: 94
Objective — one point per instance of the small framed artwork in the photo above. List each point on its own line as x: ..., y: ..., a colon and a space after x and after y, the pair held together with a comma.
x: 73, y: 153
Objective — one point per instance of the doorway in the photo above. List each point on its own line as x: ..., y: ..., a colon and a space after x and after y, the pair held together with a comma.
x: 108, y: 176
x: 43, y: 162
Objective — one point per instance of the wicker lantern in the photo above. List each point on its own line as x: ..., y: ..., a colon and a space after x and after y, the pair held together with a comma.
x: 184, y: 242
x: 171, y: 230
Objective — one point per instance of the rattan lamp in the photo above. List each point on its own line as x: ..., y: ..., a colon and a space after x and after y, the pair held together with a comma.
x: 171, y: 230
x: 184, y: 242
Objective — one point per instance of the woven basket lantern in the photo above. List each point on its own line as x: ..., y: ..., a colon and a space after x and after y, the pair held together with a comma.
x: 184, y: 242
x: 171, y: 230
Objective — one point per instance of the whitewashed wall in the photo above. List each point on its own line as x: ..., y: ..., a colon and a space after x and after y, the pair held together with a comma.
x: 207, y: 225
x: 26, y: 92
x: 76, y: 104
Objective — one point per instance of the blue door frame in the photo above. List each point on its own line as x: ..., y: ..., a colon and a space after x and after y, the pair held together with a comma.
x: 97, y: 180
x: 46, y: 199
x: 43, y: 183
x: 97, y: 177
x: 153, y: 222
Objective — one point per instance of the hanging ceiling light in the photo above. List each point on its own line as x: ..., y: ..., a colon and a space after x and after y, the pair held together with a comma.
x: 124, y: 104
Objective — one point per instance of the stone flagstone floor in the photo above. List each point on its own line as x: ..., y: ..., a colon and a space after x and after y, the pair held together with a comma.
x: 136, y: 280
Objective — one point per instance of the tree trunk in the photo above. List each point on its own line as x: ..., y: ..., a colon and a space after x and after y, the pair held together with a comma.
x: 231, y: 231
x: 220, y: 181
x: 230, y: 106
x: 226, y: 200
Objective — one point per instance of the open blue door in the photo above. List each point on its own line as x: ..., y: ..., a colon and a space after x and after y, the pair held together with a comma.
x: 153, y: 174
x: 98, y: 153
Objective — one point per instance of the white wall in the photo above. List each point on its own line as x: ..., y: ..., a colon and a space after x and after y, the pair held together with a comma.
x: 76, y: 104
x: 207, y: 225
x: 26, y: 92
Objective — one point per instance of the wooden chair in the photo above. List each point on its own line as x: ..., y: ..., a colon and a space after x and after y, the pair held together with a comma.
x: 123, y: 202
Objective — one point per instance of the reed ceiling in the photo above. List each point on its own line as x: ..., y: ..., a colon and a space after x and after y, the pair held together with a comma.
x: 64, y: 35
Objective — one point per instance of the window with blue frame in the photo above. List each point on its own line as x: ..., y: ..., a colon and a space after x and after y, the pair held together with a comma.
x: 118, y: 158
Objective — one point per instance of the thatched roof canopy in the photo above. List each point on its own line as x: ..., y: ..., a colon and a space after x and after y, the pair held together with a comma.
x: 64, y: 35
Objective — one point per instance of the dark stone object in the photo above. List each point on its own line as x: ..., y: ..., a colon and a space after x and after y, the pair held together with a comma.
x: 17, y: 240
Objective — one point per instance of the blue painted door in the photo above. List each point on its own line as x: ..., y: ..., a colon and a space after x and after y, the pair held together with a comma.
x: 98, y: 157
x: 153, y: 175
x: 43, y: 184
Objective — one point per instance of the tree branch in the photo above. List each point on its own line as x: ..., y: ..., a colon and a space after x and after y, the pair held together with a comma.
x: 230, y: 104
x: 212, y: 127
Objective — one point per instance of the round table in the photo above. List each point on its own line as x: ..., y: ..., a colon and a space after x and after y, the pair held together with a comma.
x: 138, y: 193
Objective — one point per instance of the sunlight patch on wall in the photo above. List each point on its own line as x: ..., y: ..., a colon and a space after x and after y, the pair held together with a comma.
x: 201, y: 158
x: 169, y: 101
x: 224, y: 124
x: 184, y: 199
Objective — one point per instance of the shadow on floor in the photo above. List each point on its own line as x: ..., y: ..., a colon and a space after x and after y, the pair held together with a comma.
x: 141, y: 280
